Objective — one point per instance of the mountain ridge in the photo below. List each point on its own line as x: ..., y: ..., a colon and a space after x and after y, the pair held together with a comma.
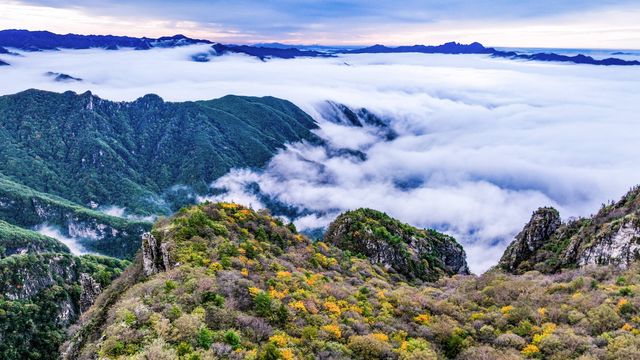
x: 140, y: 141
x: 609, y: 237
x: 45, y: 40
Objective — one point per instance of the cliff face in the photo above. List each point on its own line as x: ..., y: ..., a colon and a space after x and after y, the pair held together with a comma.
x: 542, y: 226
x: 610, y: 237
x: 99, y: 232
x: 43, y: 290
x: 400, y: 248
x: 155, y: 255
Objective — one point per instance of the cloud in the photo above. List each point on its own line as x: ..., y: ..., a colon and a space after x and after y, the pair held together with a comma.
x: 122, y: 213
x: 481, y: 142
x: 72, y: 243
x: 572, y: 23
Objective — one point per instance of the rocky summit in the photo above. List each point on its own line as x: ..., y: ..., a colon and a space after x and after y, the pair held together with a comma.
x: 400, y: 248
x: 610, y: 237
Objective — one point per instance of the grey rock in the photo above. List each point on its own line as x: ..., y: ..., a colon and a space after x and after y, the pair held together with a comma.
x: 542, y: 226
x: 155, y: 255
x: 400, y: 248
x: 90, y: 291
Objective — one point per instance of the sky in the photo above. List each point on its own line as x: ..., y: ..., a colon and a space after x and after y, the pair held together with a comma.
x: 611, y: 24
x: 482, y: 142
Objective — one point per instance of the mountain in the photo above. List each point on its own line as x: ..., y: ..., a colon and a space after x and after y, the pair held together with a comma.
x: 59, y: 77
x: 260, y: 52
x: 68, y: 158
x: 610, y: 237
x: 45, y: 40
x: 477, y: 48
x: 148, y: 156
x: 43, y: 291
x: 223, y: 281
x: 94, y: 230
x: 224, y: 278
x: 577, y: 59
x: 344, y: 115
x: 15, y: 240
x: 401, y: 248
x: 447, y: 48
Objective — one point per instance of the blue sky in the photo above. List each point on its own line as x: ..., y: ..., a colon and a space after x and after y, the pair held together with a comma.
x: 561, y: 23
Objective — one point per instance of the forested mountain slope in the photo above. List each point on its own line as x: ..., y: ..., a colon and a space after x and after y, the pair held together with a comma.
x: 138, y: 154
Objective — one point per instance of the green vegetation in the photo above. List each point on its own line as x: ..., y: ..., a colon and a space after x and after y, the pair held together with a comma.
x: 25, y: 207
x: 412, y: 252
x: 41, y: 291
x: 295, y: 299
x: 148, y: 156
x: 63, y: 154
x: 16, y: 240
x: 42, y: 294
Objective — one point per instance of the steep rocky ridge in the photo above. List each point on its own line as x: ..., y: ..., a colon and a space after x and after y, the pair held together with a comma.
x: 400, y: 248
x: 610, y: 237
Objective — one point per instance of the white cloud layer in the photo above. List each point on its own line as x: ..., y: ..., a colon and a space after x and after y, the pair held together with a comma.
x: 482, y: 142
x: 72, y: 243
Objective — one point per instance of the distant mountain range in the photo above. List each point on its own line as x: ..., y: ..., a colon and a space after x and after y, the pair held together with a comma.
x: 477, y: 48
x: 448, y: 48
x: 260, y: 52
x: 44, y: 40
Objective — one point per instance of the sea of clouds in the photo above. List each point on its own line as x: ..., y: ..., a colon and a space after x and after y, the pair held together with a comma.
x: 481, y: 142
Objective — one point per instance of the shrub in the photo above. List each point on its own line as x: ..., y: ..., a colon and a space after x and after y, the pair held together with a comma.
x: 454, y: 344
x: 625, y: 346
x: 232, y: 338
x: 269, y: 352
x: 603, y: 318
x: 510, y: 341
x: 369, y: 347
x: 212, y: 298
x: 262, y: 303
x: 204, y: 338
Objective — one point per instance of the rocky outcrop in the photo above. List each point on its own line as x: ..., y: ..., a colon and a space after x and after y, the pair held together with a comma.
x: 617, y: 244
x: 155, y: 256
x: 400, y: 248
x: 610, y: 237
x: 542, y: 226
x: 90, y: 291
